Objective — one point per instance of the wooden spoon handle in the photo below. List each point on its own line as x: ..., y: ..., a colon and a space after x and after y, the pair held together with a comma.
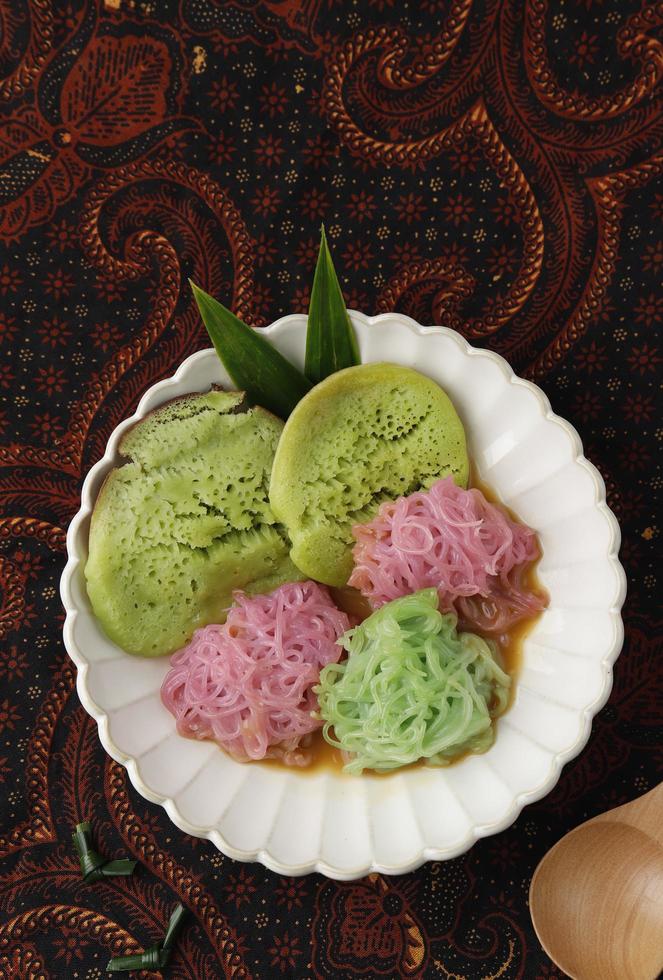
x: 645, y: 813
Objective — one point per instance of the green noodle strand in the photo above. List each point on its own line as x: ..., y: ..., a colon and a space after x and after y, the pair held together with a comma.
x: 411, y: 688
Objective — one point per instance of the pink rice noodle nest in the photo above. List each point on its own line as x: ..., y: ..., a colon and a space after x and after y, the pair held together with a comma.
x: 248, y: 684
x: 456, y: 541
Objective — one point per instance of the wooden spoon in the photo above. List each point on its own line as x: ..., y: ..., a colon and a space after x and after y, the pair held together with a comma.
x: 596, y: 898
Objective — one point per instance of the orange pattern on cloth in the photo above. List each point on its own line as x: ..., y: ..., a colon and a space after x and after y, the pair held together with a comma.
x: 491, y: 165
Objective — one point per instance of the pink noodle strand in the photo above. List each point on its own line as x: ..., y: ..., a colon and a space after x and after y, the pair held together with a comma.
x: 248, y: 684
x: 454, y: 540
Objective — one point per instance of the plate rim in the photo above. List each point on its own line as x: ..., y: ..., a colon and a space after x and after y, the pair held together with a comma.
x: 263, y: 855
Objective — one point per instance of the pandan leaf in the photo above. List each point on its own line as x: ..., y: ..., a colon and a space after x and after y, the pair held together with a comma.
x: 93, y: 865
x: 331, y: 344
x: 254, y: 365
x: 157, y: 956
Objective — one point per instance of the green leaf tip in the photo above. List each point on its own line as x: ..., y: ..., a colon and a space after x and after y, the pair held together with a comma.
x: 331, y: 344
x: 155, y: 957
x: 93, y: 865
x: 253, y: 364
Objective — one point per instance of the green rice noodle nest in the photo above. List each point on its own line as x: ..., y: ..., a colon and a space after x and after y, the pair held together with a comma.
x: 412, y: 688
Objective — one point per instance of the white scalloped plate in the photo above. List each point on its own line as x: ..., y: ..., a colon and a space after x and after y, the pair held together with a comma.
x: 341, y: 826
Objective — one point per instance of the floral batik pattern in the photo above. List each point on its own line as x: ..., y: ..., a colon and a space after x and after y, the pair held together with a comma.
x: 490, y: 165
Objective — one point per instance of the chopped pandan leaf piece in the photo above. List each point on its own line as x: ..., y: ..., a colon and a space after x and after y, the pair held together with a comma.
x: 155, y: 957
x: 253, y: 364
x: 93, y: 865
x: 331, y: 344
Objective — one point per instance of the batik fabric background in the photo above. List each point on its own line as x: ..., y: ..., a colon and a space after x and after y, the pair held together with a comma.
x: 491, y: 166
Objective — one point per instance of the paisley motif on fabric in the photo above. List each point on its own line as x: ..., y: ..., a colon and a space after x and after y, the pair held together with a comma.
x: 493, y: 166
x: 105, y: 98
x: 369, y: 928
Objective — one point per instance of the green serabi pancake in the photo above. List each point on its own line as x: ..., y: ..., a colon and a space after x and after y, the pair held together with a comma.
x: 185, y: 521
x: 362, y: 436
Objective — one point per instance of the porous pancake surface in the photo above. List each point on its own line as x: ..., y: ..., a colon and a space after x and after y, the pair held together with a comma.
x: 185, y: 521
x: 364, y: 435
